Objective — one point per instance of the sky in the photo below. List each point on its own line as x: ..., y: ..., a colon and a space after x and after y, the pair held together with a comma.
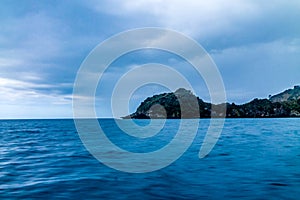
x: 255, y: 45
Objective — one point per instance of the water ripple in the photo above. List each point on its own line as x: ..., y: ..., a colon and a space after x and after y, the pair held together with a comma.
x: 254, y: 159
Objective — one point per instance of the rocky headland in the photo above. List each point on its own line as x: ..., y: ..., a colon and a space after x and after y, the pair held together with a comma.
x: 167, y: 105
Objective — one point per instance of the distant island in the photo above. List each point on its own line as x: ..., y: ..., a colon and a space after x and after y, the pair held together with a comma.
x: 285, y: 104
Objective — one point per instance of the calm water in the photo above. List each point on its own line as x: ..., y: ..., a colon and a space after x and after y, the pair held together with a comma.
x: 254, y: 159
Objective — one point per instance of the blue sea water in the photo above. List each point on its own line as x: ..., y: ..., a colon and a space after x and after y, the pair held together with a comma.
x: 253, y: 159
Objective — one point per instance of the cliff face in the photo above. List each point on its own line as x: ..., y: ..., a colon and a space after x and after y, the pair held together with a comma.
x: 287, y: 95
x: 167, y: 105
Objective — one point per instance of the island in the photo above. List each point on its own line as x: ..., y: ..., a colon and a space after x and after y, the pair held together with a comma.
x: 167, y: 105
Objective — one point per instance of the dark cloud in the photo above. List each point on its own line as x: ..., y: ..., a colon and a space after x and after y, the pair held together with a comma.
x: 43, y: 43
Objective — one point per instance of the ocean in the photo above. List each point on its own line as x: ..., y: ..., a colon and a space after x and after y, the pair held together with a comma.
x: 253, y: 159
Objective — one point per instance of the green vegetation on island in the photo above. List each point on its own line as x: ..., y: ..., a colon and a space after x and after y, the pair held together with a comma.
x: 167, y: 105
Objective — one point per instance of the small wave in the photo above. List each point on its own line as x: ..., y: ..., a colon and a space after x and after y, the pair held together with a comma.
x: 224, y: 154
x: 24, y: 131
x: 279, y: 184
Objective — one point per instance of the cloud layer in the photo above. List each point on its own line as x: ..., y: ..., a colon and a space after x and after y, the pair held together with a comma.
x: 255, y: 44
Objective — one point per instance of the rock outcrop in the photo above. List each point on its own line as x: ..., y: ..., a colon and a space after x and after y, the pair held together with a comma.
x: 184, y: 104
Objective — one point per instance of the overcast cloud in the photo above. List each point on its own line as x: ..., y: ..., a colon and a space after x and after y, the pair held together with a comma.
x: 255, y: 44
